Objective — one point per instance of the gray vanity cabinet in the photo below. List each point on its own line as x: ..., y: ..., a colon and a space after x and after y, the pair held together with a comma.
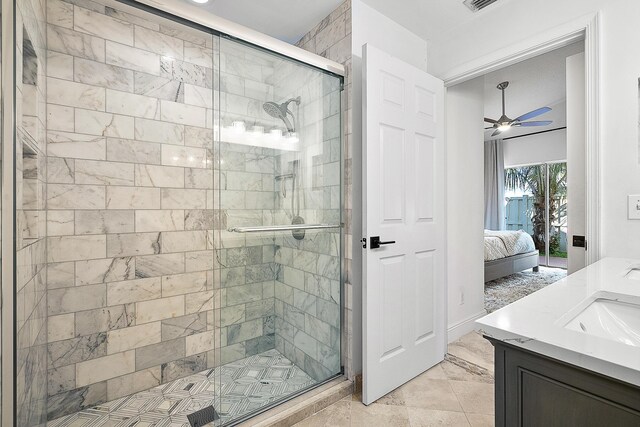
x: 535, y: 390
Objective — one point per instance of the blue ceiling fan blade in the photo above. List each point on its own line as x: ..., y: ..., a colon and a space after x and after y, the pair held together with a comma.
x: 541, y: 123
x: 532, y: 114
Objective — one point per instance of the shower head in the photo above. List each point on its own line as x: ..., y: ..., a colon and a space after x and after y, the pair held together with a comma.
x: 280, y: 111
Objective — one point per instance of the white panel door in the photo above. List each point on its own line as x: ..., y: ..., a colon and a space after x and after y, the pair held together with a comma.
x: 403, y: 188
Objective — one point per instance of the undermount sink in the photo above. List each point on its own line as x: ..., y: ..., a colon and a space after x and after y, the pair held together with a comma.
x: 611, y: 316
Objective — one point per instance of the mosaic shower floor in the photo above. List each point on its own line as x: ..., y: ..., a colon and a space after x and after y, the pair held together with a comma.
x: 246, y: 385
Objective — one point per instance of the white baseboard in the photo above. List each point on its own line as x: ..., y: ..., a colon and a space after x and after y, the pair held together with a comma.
x: 463, y: 327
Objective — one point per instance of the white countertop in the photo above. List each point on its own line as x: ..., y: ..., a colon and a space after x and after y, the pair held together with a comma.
x: 537, y: 322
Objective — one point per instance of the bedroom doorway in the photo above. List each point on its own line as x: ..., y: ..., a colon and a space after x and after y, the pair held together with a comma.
x: 536, y: 202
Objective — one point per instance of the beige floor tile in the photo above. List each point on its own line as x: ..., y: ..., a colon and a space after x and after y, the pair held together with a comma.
x: 481, y: 420
x: 423, y: 392
x: 336, y: 415
x: 460, y: 370
x: 420, y: 417
x: 475, y: 349
x: 378, y: 415
x: 476, y: 398
x: 435, y: 373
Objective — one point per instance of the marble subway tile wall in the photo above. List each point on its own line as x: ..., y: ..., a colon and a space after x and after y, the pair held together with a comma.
x: 31, y: 288
x: 130, y: 220
x: 331, y: 38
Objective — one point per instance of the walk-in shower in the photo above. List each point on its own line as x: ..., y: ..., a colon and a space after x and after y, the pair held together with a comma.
x: 178, y: 229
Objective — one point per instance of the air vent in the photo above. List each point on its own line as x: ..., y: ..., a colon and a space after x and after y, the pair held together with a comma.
x: 476, y: 5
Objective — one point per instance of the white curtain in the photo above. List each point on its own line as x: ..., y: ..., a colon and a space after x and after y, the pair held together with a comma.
x: 493, y: 185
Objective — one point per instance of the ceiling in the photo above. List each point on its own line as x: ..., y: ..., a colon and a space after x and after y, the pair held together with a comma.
x: 287, y: 20
x: 537, y: 82
x: 430, y: 19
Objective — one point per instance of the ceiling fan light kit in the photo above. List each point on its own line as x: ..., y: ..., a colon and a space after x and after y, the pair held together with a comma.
x: 505, y: 123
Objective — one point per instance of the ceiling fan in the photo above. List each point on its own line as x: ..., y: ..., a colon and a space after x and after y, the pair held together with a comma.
x: 504, y: 123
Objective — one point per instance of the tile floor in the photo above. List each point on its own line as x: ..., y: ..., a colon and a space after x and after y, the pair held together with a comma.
x: 457, y: 392
x: 246, y: 385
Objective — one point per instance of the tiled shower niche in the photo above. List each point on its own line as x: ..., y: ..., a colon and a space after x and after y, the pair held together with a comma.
x: 162, y: 156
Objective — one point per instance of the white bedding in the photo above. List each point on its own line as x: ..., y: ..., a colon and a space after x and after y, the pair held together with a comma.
x: 502, y: 244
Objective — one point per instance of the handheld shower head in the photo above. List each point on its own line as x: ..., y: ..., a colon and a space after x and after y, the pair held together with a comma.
x: 280, y: 111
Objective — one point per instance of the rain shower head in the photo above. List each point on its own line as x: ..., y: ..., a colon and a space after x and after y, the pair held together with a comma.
x: 280, y: 111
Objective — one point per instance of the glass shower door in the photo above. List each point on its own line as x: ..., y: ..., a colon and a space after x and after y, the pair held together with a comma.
x: 278, y: 181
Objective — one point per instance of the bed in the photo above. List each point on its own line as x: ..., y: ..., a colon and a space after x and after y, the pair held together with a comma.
x: 508, y: 252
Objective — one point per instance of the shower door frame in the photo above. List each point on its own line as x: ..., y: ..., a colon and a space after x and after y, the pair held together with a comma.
x: 8, y: 175
x: 8, y: 244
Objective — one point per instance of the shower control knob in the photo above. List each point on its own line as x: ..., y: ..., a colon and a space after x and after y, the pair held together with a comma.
x: 375, y: 242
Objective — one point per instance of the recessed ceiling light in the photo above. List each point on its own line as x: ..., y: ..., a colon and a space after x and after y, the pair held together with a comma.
x: 200, y: 1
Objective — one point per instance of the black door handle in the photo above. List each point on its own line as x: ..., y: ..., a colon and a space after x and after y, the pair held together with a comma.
x: 375, y: 242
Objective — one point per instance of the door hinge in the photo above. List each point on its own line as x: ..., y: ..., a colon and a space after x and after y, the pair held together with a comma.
x: 364, y: 242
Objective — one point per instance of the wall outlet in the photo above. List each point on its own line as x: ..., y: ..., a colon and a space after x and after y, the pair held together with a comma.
x: 634, y: 207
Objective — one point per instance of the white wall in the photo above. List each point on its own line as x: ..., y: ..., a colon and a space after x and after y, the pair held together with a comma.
x: 540, y: 148
x: 465, y: 190
x: 370, y: 26
x: 619, y: 68
x: 576, y: 224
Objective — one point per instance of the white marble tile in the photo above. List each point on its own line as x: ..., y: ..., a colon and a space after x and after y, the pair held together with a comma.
x: 160, y: 265
x: 104, y: 368
x: 159, y: 220
x: 159, y: 176
x: 73, y: 248
x: 199, y: 55
x: 60, y: 171
x: 198, y: 95
x: 129, y: 291
x: 75, y: 299
x: 174, y: 155
x: 199, y: 343
x: 183, y: 114
x: 106, y: 27
x: 178, y: 198
x: 127, y: 150
x: 199, y: 178
x: 61, y: 327
x: 106, y: 173
x: 158, y: 87
x: 66, y: 196
x: 132, y: 18
x: 60, y: 117
x: 159, y: 309
x: 138, y: 381
x: 156, y: 131
x: 181, y: 241
x: 60, y: 13
x: 60, y: 223
x: 132, y: 104
x: 104, y: 221
x: 132, y: 58
x: 198, y: 137
x: 59, y: 65
x: 133, y: 337
x: 104, y: 124
x: 99, y: 74
x: 91, y: 272
x: 178, y: 284
x: 64, y: 92
x: 132, y: 198
x: 159, y: 43
x: 119, y: 245
x: 74, y: 145
x: 73, y: 43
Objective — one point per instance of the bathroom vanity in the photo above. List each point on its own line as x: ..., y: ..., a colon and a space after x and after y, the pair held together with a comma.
x: 569, y: 354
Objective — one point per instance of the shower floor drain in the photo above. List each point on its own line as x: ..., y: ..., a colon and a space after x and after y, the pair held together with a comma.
x: 203, y: 417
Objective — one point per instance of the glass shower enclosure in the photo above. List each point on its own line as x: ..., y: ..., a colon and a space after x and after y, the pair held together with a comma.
x: 177, y: 220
